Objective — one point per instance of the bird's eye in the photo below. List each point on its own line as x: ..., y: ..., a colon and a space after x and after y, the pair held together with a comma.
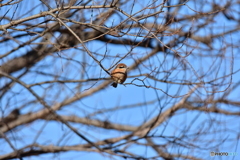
x: 121, y: 67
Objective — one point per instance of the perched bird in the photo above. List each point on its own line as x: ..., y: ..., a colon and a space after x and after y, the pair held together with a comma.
x: 119, y: 74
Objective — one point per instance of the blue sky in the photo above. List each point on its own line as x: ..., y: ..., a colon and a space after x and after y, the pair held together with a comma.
x: 170, y: 68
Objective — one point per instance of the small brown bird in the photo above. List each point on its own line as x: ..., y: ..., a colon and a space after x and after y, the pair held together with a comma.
x: 119, y: 74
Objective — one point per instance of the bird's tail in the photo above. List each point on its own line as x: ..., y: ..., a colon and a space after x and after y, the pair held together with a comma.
x: 114, y: 85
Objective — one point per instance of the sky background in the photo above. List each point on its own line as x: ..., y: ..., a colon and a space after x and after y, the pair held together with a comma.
x: 191, y: 121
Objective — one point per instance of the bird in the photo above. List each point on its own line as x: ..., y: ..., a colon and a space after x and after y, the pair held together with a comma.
x: 119, y: 74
